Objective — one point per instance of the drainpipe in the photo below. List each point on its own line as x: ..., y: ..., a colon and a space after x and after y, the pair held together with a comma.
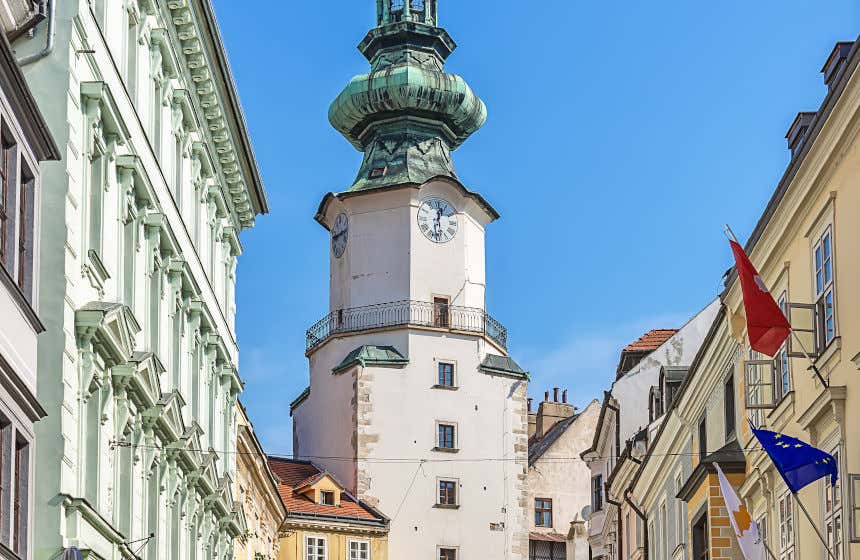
x: 49, y: 42
x: 618, y: 517
x: 644, y: 519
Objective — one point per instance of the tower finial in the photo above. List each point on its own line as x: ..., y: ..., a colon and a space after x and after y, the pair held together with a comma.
x: 394, y: 11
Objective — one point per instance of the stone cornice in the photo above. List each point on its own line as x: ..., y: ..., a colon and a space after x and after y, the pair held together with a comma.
x: 202, y: 57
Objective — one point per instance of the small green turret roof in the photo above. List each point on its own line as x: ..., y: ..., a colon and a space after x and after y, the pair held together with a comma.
x: 369, y: 355
x: 502, y: 365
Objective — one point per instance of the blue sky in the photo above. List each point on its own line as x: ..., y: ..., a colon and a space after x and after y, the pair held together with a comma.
x: 620, y: 137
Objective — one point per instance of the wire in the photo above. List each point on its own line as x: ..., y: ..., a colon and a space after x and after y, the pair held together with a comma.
x: 418, y: 460
x: 409, y: 489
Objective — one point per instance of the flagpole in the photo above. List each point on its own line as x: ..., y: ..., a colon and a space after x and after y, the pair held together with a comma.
x: 811, y: 522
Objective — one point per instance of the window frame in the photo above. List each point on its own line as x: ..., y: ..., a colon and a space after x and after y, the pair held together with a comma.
x: 597, y: 492
x: 824, y: 286
x: 442, y: 549
x: 540, y: 508
x: 786, y: 527
x: 835, y: 514
x: 440, y: 381
x: 730, y: 416
x: 702, y: 435
x: 854, y: 507
x: 323, y: 494
x: 441, y: 312
x: 440, y: 424
x: 365, y: 542
x: 7, y: 151
x: 315, y: 556
x: 455, y: 486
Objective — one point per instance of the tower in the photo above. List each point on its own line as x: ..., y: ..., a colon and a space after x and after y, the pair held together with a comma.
x: 414, y: 404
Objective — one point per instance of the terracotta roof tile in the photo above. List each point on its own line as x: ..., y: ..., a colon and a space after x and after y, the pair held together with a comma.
x: 651, y: 340
x: 292, y: 474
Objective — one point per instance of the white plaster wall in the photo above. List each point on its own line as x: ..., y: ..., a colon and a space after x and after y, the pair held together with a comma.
x: 562, y: 476
x: 632, y: 390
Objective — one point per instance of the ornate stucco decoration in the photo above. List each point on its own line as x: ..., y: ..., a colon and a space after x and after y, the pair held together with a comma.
x: 407, y: 115
x: 193, y: 27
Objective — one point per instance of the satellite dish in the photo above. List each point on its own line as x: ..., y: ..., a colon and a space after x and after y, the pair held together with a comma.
x: 586, y: 512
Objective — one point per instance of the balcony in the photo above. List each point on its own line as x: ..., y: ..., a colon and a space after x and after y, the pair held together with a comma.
x: 407, y: 313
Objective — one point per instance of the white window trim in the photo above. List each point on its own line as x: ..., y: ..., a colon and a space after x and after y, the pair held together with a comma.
x: 456, y: 481
x: 825, y: 228
x: 456, y: 435
x: 853, y: 506
x: 349, y: 543
x: 456, y: 376
x: 315, y: 536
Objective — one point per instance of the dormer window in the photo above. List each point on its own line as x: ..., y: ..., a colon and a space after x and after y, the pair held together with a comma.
x: 327, y: 498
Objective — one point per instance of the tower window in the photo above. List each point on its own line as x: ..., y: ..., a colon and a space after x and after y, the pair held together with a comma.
x: 447, y: 438
x: 447, y: 493
x: 446, y: 374
x: 327, y: 498
x: 378, y: 172
x: 441, y: 307
x: 447, y: 553
x: 397, y: 5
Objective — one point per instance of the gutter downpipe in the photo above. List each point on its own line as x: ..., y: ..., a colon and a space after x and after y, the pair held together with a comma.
x: 618, y: 516
x: 49, y: 42
x: 644, y: 519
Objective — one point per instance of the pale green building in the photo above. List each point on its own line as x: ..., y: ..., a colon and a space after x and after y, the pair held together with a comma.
x: 137, y: 367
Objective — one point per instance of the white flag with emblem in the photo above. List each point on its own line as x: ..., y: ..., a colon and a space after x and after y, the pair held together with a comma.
x: 746, y: 531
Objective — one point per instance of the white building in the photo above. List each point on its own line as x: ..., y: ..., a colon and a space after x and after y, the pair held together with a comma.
x: 138, y: 362
x: 414, y: 403
x: 24, y: 143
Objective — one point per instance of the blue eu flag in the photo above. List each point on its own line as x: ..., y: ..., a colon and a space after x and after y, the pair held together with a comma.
x: 798, y: 462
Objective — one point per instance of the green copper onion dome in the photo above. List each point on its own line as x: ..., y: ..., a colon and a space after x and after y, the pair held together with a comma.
x: 407, y: 114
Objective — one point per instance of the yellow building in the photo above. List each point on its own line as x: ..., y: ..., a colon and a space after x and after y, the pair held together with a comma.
x: 324, y: 521
x: 805, y: 248
x: 257, y: 495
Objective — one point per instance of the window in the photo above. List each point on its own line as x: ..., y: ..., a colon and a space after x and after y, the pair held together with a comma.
x: 441, y: 307
x: 823, y: 262
x: 700, y: 538
x: 96, y: 198
x: 627, y: 536
x: 854, y: 484
x: 447, y: 437
x: 780, y: 360
x: 131, y: 48
x: 327, y: 498
x: 447, y: 553
x: 655, y: 404
x: 729, y: 407
x: 447, y: 493
x: 359, y: 550
x: 7, y: 186
x: 543, y: 512
x: 785, y: 513
x: 316, y: 548
x: 597, y: 493
x: 20, y: 502
x: 833, y: 513
x: 761, y: 523
x: 26, y: 230
x: 446, y: 374
x: 703, y: 438
x: 680, y: 518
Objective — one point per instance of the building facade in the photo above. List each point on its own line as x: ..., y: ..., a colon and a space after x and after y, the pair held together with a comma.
x: 140, y: 226
x: 324, y: 521
x: 24, y: 143
x: 629, y: 417
x: 410, y: 378
x: 256, y: 493
x: 802, y: 246
x: 558, y: 480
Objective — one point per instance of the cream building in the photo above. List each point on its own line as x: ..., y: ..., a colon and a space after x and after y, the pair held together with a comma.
x: 140, y: 236
x: 558, y: 480
x: 256, y: 494
x: 411, y: 385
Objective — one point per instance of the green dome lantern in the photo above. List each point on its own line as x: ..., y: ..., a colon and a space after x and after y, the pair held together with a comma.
x: 407, y: 114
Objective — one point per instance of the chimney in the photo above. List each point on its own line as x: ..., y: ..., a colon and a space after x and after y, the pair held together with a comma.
x: 546, y: 396
x: 836, y: 62
x: 798, y: 131
x: 555, y: 394
x: 550, y: 413
x: 532, y: 419
x: 564, y: 396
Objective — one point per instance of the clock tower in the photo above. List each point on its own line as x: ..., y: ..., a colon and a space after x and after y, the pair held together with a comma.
x: 414, y: 403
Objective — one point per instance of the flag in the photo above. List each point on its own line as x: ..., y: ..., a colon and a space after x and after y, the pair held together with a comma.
x: 749, y: 539
x: 767, y: 326
x: 799, y: 463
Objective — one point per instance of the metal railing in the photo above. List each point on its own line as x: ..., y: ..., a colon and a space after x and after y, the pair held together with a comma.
x: 407, y: 313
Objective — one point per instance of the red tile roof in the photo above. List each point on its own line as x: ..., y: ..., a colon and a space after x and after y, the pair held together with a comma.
x: 651, y: 340
x: 291, y: 474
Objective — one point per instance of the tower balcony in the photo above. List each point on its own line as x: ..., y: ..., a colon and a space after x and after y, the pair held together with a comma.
x: 407, y: 313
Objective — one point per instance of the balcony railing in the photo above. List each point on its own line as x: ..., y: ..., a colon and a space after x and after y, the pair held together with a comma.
x: 407, y: 313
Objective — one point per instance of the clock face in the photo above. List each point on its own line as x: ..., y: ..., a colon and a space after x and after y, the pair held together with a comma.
x: 437, y: 220
x: 339, y: 235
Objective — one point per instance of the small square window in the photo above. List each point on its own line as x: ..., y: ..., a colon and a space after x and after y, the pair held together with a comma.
x: 447, y: 493
x: 447, y: 553
x: 327, y: 498
x: 378, y: 172
x: 446, y: 374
